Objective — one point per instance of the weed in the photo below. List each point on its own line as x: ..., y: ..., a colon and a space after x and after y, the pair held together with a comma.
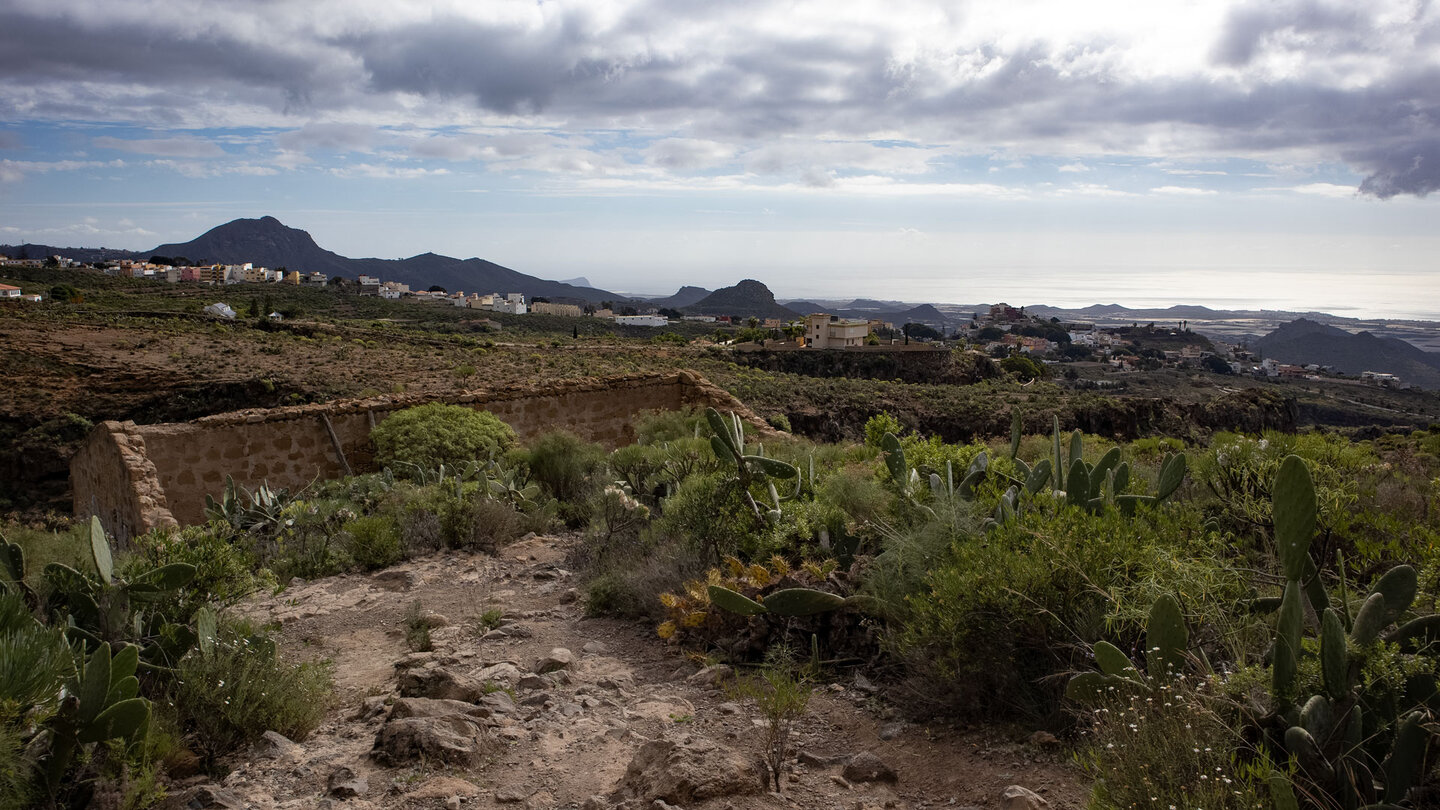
x: 782, y: 696
x: 489, y: 620
x: 417, y: 628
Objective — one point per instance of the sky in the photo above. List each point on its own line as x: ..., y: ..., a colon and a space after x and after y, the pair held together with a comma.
x: 1280, y: 154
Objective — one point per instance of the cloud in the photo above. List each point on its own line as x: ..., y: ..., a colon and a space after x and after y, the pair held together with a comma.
x: 1402, y: 168
x: 1323, y: 190
x: 1184, y: 191
x: 13, y: 171
x: 371, y: 170
x: 186, y: 147
x: 799, y: 92
x: 335, y: 137
x: 1074, y: 168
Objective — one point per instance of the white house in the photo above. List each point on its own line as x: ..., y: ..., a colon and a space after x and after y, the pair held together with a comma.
x: 642, y: 320
x: 7, y: 292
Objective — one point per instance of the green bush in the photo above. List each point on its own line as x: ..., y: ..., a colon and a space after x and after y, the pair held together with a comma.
x: 477, y: 522
x: 1000, y: 613
x: 429, y: 435
x: 710, y: 513
x: 628, y: 580
x: 224, y: 573
x: 374, y: 541
x: 568, y: 469
x: 226, y: 697
x: 658, y: 427
x: 878, y: 425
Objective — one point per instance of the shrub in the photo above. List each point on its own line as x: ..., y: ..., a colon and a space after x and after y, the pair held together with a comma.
x: 230, y: 694
x: 223, y: 571
x: 374, y: 541
x: 626, y: 578
x: 657, y: 427
x: 878, y: 425
x: 781, y: 697
x: 999, y: 613
x: 432, y: 434
x: 417, y: 628
x: 709, y: 512
x: 779, y: 421
x: 478, y: 522
x: 568, y: 469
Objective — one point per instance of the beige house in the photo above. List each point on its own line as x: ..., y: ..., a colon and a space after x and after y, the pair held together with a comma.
x: 831, y: 332
x: 547, y: 308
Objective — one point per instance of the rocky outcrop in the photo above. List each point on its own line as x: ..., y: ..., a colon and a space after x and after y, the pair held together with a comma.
x: 449, y: 739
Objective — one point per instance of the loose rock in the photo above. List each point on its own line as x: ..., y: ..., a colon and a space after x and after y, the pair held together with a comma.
x: 689, y: 772
x: 344, y: 783
x: 438, y: 683
x: 275, y: 745
x: 712, y: 676
x: 1017, y: 797
x: 559, y: 658
x: 866, y: 767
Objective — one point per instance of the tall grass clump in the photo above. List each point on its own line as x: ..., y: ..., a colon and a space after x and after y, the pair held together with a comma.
x: 1169, y: 748
x: 233, y: 688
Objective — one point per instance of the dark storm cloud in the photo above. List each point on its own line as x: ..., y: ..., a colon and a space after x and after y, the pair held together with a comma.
x: 40, y: 50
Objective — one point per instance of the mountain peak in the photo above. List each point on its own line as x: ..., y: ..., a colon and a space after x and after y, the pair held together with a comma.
x: 749, y: 298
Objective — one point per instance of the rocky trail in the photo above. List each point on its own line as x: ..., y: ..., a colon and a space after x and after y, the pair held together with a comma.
x: 546, y: 708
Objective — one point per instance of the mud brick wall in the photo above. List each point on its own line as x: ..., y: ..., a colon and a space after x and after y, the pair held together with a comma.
x: 137, y: 477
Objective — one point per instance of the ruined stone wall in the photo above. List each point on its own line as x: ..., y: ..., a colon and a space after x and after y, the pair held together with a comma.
x: 112, y: 476
x: 176, y: 465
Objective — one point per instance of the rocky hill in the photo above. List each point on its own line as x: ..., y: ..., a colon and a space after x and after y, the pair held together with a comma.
x: 266, y: 241
x: 685, y: 297
x: 1304, y: 341
x: 749, y: 298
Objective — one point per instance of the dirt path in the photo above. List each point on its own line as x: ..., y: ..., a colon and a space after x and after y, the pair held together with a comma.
x: 567, y: 737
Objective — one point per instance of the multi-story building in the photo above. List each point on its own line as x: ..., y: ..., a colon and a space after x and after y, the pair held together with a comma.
x: 831, y: 332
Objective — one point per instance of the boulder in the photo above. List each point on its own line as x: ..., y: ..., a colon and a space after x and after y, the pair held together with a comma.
x: 688, y: 772
x: 452, y: 739
x: 1016, y: 797
x: 866, y: 767
x: 433, y: 707
x: 274, y: 745
x: 438, y: 683
x: 558, y: 658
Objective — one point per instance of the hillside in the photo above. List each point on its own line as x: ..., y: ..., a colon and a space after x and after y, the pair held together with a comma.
x: 1303, y: 341
x: 749, y: 298
x: 267, y: 241
x: 685, y: 297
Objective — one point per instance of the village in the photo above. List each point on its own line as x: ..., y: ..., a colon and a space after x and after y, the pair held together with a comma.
x: 1000, y: 332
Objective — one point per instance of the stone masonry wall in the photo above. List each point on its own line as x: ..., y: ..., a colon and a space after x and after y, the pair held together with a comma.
x: 113, y: 477
x: 137, y: 477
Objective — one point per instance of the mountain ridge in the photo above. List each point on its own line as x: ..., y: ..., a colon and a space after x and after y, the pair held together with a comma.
x: 269, y: 242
